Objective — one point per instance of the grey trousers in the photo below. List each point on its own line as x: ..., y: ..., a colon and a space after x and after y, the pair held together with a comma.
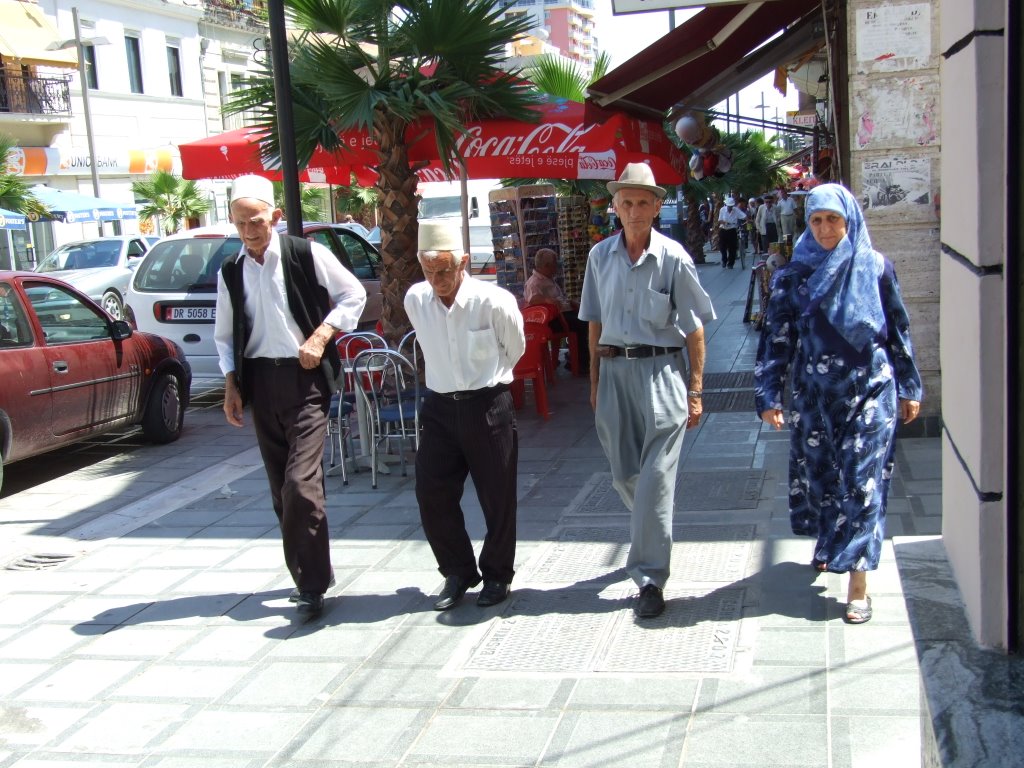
x: 641, y: 417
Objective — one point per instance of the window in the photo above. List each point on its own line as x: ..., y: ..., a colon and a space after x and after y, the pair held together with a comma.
x: 174, y: 69
x: 90, y: 67
x: 64, y: 317
x: 15, y: 330
x: 133, y: 49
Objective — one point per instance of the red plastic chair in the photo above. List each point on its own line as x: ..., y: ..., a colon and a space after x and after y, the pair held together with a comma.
x: 546, y: 314
x: 533, y: 366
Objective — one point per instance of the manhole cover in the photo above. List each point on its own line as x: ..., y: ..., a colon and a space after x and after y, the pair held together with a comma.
x: 39, y: 561
x: 574, y: 631
x: 718, y: 489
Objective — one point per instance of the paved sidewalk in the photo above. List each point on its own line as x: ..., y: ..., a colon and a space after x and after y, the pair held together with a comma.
x: 165, y: 637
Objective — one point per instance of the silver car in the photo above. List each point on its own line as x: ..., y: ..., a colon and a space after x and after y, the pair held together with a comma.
x: 101, y: 268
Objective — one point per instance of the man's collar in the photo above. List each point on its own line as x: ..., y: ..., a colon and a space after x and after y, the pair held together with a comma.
x: 649, y: 251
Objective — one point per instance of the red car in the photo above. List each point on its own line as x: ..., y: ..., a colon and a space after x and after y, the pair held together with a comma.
x: 68, y: 371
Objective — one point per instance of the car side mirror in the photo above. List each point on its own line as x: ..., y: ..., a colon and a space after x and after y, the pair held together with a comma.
x: 120, y: 330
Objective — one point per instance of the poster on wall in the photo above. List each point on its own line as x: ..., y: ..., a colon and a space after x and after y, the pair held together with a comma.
x: 897, y: 113
x: 894, y: 37
x: 895, y: 181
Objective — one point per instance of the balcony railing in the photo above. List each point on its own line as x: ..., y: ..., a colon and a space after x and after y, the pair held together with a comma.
x: 250, y: 16
x: 29, y: 95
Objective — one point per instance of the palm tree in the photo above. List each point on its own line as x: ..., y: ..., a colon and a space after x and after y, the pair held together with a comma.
x: 359, y: 201
x: 558, y: 76
x: 381, y: 66
x: 171, y: 198
x: 311, y: 200
x: 14, y: 192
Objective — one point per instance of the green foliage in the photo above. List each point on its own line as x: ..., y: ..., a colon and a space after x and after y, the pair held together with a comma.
x: 751, y: 172
x: 171, y: 198
x: 380, y: 65
x: 558, y: 76
x: 14, y: 192
x: 312, y: 201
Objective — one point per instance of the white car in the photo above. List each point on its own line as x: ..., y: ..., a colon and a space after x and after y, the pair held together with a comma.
x: 174, y: 290
x: 101, y: 268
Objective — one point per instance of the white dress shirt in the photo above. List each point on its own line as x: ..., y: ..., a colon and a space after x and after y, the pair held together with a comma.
x: 475, y: 343
x: 786, y: 206
x: 729, y: 218
x: 274, y: 330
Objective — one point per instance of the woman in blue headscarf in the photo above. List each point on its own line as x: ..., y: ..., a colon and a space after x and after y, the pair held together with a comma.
x: 836, y: 318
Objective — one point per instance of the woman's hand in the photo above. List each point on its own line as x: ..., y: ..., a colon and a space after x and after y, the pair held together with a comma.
x: 772, y: 416
x: 909, y: 410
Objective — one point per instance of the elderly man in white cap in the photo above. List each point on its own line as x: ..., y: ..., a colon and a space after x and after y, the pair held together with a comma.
x: 644, y: 302
x: 730, y: 218
x: 471, y: 334
x: 280, y: 302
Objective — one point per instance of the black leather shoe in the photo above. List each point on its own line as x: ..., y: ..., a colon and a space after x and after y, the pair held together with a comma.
x: 650, y: 603
x: 454, y: 588
x: 494, y: 592
x: 293, y: 596
x: 309, y: 603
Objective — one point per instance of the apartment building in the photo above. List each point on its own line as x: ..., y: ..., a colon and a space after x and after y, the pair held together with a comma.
x: 568, y: 26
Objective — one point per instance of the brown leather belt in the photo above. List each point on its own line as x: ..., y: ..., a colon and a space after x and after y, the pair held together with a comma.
x: 636, y: 352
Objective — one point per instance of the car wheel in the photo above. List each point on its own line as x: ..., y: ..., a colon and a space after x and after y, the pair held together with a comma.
x: 111, y: 302
x: 165, y: 411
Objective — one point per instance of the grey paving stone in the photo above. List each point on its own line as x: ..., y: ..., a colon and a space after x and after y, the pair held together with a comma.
x: 586, y: 739
x: 288, y: 684
x: 124, y: 728
x: 717, y: 741
x: 421, y: 647
x: 342, y: 641
x: 358, y: 735
x: 80, y: 680
x: 488, y: 737
x: 224, y: 731
x: 44, y: 641
x: 901, y: 692
x: 19, y: 610
x: 393, y: 687
x: 32, y: 725
x: 790, y: 646
x: 17, y: 675
x: 775, y: 690
x: 633, y: 693
x: 875, y: 741
x: 873, y: 646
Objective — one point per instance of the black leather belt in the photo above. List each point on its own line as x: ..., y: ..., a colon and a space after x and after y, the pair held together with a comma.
x: 469, y: 394
x: 276, y: 362
x: 635, y: 353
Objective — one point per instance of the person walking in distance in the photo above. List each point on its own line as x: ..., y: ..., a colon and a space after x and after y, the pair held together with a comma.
x: 280, y: 302
x: 643, y: 301
x: 471, y: 334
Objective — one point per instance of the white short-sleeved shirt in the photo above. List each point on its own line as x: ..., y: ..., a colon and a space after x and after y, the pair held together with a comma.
x: 475, y: 343
x: 656, y: 301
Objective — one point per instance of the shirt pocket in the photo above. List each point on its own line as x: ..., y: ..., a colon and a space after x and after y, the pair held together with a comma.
x: 483, y: 345
x: 656, y: 307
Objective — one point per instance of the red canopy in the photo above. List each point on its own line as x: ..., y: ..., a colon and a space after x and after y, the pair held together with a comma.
x: 564, y: 144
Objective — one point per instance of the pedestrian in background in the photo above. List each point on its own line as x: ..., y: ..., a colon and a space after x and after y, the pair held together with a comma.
x: 766, y: 224
x: 644, y: 302
x: 471, y: 334
x: 730, y: 219
x: 837, y: 320
x: 280, y: 302
x: 541, y: 288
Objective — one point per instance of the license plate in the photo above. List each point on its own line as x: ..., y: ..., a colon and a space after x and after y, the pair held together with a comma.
x: 192, y: 314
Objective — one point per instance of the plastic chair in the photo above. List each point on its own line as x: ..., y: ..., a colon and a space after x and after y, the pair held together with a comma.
x: 532, y: 366
x: 547, y: 314
x: 393, y: 414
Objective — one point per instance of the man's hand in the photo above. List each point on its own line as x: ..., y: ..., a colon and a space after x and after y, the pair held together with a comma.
x: 232, y: 402
x: 772, y: 417
x: 312, y: 350
x: 696, y: 407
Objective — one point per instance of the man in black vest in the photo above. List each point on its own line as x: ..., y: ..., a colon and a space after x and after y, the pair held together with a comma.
x: 280, y: 302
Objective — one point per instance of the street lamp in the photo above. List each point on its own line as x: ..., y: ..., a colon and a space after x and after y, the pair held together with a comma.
x: 79, y: 45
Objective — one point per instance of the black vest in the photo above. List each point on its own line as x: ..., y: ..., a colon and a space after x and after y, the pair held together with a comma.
x: 308, y: 302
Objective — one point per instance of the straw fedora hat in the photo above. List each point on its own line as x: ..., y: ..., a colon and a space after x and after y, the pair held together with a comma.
x: 637, y: 176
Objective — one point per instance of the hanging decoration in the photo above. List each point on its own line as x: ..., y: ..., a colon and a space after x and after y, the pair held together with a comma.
x: 710, y: 156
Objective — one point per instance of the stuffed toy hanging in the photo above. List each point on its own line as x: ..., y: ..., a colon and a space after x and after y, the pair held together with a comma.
x: 710, y: 157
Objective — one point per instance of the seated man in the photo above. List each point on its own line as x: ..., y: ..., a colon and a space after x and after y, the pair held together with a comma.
x: 541, y: 288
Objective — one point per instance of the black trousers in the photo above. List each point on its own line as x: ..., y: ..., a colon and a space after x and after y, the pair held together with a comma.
x: 289, y: 410
x: 582, y: 331
x: 473, y: 437
x: 728, y: 241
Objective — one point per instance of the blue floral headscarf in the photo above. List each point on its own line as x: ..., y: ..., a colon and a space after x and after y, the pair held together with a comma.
x: 844, y: 284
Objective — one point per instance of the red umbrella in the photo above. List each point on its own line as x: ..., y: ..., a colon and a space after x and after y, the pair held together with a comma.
x: 562, y: 145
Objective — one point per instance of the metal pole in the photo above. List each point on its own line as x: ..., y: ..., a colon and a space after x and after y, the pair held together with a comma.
x: 86, y: 110
x: 285, y: 117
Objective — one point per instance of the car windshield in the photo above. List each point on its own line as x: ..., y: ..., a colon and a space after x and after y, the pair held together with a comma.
x: 101, y: 253
x: 185, y: 264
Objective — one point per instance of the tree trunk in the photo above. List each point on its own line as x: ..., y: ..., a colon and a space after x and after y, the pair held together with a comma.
x: 398, y: 228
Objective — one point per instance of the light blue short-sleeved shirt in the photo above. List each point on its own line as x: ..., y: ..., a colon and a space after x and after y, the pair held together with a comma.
x: 656, y: 301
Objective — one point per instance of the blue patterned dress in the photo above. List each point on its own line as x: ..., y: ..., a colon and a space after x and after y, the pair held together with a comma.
x: 843, y: 415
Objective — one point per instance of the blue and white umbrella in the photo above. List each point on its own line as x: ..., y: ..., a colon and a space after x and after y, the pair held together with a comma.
x: 11, y: 220
x: 73, y: 208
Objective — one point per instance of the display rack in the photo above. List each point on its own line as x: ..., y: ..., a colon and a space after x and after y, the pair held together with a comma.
x: 523, y: 220
x: 573, y: 241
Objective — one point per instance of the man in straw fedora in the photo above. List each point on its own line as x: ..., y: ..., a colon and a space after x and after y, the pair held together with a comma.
x: 471, y: 334
x: 644, y: 303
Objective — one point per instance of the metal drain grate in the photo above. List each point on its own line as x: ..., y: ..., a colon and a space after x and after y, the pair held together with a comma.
x: 734, y: 380
x: 39, y: 562
x: 719, y: 489
x: 578, y: 631
x: 729, y: 392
